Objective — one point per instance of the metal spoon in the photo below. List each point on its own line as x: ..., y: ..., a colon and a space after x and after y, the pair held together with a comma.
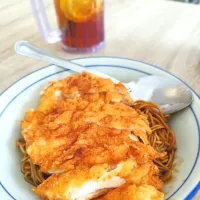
x: 159, y: 89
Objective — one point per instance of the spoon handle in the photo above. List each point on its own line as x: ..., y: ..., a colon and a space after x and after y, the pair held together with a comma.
x: 27, y: 49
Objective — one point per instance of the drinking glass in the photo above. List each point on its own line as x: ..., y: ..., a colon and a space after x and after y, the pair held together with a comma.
x: 80, y: 22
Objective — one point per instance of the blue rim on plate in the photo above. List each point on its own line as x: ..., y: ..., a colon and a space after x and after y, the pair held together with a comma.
x: 195, y: 189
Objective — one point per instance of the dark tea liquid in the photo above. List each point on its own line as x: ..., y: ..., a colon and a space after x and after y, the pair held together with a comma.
x: 80, y: 33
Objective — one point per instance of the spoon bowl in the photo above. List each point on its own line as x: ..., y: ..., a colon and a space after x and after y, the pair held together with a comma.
x: 172, y: 99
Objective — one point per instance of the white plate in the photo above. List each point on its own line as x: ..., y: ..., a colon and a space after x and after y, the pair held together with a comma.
x: 24, y: 94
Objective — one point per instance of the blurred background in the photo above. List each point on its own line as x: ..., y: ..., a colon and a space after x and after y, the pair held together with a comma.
x: 157, y: 32
x: 190, y: 1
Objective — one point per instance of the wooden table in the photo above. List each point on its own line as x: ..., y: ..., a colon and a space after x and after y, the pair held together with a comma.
x: 162, y: 33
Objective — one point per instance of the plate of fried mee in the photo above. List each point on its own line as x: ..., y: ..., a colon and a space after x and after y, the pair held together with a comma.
x: 69, y: 136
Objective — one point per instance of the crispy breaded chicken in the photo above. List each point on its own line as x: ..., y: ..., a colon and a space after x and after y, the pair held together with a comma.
x: 85, y: 123
x: 137, y: 182
x: 145, y: 174
x: 82, y: 182
x: 133, y: 192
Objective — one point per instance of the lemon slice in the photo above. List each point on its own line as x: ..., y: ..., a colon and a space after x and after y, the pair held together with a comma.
x: 80, y: 10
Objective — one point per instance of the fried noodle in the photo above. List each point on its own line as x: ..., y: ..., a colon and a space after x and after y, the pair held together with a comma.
x: 162, y: 138
x: 32, y: 173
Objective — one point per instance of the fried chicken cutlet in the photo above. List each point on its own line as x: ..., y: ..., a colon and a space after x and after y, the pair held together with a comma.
x: 83, y: 123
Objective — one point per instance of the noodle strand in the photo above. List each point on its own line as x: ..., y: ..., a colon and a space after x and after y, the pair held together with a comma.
x: 162, y: 138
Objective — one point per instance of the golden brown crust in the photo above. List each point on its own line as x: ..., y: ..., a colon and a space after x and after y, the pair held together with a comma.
x: 83, y: 123
x: 67, y: 185
x: 133, y: 192
x: 68, y: 128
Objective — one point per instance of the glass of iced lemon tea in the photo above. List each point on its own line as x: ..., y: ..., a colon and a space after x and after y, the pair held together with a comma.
x: 80, y: 22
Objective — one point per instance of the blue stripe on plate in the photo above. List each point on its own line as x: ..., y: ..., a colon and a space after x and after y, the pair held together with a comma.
x: 23, y: 78
x: 192, y: 193
x: 7, y: 191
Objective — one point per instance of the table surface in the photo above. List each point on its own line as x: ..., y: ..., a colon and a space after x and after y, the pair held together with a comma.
x: 162, y: 33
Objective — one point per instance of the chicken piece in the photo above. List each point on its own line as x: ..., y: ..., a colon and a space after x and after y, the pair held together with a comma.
x: 132, y: 192
x: 144, y: 153
x: 75, y: 129
x: 62, y: 148
x: 147, y: 173
x: 85, y: 183
x: 86, y: 86
x: 86, y: 134
x: 115, y: 115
